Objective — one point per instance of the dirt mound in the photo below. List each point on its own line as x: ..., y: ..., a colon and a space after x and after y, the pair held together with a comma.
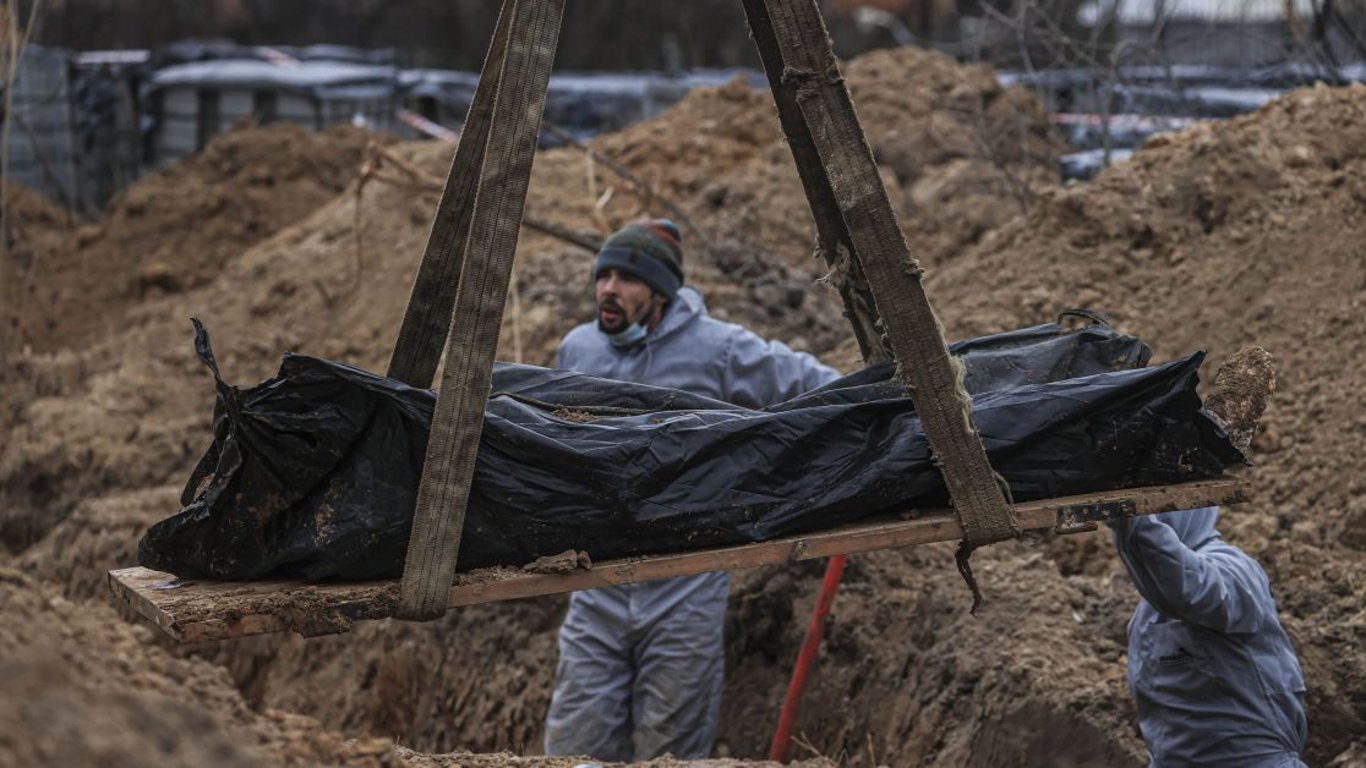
x: 85, y: 688
x: 32, y: 223
x: 1245, y: 232
x: 28, y: 213
x: 100, y: 534
x: 175, y: 229
x: 1220, y: 237
x: 35, y: 228
x: 707, y: 134
x: 959, y: 155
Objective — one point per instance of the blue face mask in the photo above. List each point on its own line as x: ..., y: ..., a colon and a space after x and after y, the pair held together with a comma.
x: 628, y: 337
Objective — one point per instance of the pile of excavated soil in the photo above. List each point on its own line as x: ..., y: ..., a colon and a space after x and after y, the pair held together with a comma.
x: 1245, y: 232
x: 34, y: 228
x: 86, y: 688
x: 83, y: 687
x: 29, y: 216
x: 176, y: 229
x: 66, y: 286
x: 1197, y: 242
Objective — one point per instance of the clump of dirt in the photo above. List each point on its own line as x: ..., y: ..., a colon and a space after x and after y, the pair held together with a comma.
x: 175, y: 229
x: 567, y: 561
x: 1240, y: 391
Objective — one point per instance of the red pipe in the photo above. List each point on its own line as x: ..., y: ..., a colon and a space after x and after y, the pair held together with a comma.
x: 834, y: 570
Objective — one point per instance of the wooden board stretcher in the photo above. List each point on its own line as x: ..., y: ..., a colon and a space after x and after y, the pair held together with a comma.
x: 199, y: 611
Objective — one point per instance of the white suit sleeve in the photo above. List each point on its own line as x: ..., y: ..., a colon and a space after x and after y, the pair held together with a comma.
x: 1218, y: 587
x: 760, y: 373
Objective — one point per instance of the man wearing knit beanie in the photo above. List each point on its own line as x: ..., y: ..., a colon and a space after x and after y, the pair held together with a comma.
x: 637, y: 274
x: 641, y: 665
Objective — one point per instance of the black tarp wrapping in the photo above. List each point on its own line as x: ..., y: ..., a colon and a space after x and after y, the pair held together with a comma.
x: 313, y: 474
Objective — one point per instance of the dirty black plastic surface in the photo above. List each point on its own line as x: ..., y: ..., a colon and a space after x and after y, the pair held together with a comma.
x: 313, y: 474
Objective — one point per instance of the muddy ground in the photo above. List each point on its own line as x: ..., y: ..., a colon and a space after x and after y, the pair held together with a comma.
x: 1243, y: 232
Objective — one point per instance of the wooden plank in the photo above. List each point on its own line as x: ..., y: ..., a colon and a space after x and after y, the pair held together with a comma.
x: 195, y: 611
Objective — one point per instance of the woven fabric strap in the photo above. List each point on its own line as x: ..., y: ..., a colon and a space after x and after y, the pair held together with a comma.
x: 428, y: 316
x: 827, y: 140
x: 522, y: 72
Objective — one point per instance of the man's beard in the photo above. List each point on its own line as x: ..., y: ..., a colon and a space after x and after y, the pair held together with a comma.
x: 620, y: 325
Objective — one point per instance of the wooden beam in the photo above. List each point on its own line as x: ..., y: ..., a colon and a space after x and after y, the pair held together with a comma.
x: 199, y: 611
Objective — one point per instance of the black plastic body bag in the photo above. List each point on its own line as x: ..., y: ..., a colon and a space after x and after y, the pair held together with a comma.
x: 314, y: 473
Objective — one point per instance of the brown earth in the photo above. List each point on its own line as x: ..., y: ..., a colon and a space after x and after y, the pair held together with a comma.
x: 509, y: 760
x: 1247, y: 232
x: 84, y: 687
x: 175, y: 230
x: 34, y: 229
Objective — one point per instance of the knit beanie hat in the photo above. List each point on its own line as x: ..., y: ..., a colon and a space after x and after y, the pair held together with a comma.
x: 650, y: 250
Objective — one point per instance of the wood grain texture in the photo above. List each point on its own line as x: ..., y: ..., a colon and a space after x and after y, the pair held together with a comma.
x: 198, y: 611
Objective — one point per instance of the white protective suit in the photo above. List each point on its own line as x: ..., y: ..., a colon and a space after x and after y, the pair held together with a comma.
x: 641, y: 665
x: 1212, y: 672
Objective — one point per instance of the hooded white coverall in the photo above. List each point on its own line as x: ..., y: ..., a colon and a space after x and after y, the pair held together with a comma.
x: 641, y: 665
x: 1212, y: 671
